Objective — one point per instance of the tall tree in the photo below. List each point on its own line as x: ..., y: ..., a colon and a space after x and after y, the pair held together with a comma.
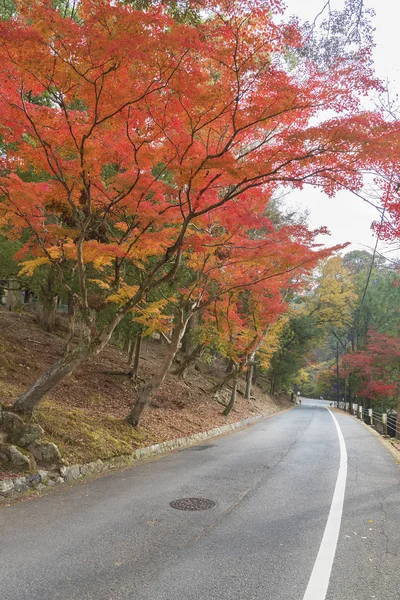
x: 132, y: 152
x: 372, y: 300
x: 325, y: 310
x: 376, y: 370
x: 237, y: 279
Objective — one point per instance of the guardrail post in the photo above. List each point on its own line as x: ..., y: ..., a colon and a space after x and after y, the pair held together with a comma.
x: 360, y: 412
x: 384, y: 421
x: 371, y: 420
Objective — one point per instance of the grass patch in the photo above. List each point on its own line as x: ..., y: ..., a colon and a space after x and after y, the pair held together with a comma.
x: 82, y: 436
x: 9, y: 392
x: 96, y: 400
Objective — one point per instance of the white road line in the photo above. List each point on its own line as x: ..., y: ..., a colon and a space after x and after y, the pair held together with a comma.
x: 319, y: 580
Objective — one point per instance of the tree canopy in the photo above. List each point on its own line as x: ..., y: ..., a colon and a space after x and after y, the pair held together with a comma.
x: 142, y: 144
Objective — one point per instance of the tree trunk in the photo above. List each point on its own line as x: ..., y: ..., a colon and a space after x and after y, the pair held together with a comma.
x: 219, y: 386
x: 147, y: 390
x: 185, y: 344
x: 71, y: 304
x: 349, y: 392
x: 273, y: 384
x: 71, y: 333
x: 91, y: 345
x: 249, y: 376
x: 249, y: 381
x: 46, y: 313
x: 232, y: 400
x: 131, y: 350
x: 33, y: 395
x: 47, y: 301
x: 256, y: 374
x: 135, y: 356
x: 65, y: 366
x: 229, y: 367
x: 127, y: 348
x: 187, y: 341
x: 189, y: 360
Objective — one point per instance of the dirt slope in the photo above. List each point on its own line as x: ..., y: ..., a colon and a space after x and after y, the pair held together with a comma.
x: 84, y: 414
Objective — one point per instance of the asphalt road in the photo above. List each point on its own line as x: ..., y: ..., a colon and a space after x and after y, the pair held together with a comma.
x: 117, y: 538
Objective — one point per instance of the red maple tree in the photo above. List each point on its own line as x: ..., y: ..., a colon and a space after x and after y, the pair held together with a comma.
x: 123, y: 129
x: 377, y: 369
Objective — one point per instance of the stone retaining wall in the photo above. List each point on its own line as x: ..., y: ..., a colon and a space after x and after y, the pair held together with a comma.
x: 11, y: 487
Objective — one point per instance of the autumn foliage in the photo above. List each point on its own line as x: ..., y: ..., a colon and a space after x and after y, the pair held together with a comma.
x: 377, y: 367
x: 137, y: 147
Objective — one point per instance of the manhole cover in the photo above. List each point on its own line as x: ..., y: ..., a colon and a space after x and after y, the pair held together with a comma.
x: 192, y: 504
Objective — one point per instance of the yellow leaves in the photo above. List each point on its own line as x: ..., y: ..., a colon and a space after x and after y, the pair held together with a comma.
x: 271, y: 342
x: 121, y: 226
x: 29, y: 266
x: 336, y: 295
x: 100, y: 255
x: 303, y: 378
x: 152, y: 318
x: 197, y: 260
x: 102, y: 261
x: 102, y: 284
x: 124, y: 294
x: 55, y: 252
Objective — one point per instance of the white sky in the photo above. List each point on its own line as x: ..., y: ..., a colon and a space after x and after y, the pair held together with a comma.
x: 347, y: 217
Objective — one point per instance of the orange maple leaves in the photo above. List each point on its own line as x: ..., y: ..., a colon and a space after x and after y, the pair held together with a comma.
x: 133, y: 140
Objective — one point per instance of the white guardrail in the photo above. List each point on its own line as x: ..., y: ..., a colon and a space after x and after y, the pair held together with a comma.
x: 385, y: 423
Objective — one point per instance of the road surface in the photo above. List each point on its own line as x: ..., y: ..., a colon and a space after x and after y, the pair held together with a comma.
x: 278, y: 491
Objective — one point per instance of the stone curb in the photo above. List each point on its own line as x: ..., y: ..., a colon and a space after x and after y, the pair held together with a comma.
x: 10, y: 487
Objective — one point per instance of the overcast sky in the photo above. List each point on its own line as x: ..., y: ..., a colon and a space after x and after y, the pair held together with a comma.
x: 349, y: 218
